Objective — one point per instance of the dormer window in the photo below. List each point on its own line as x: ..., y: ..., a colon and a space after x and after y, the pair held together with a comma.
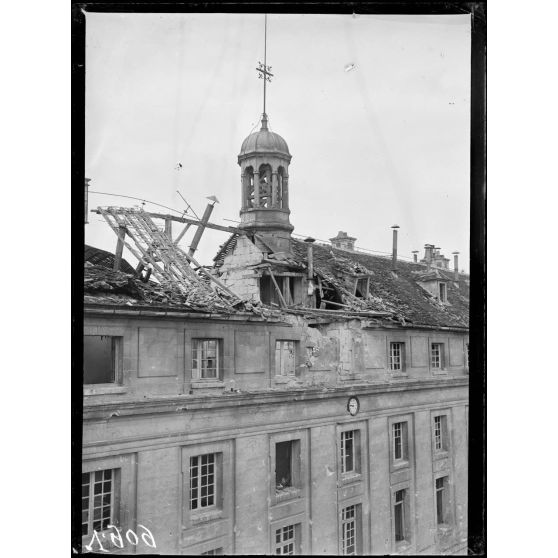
x: 442, y: 292
x: 361, y: 287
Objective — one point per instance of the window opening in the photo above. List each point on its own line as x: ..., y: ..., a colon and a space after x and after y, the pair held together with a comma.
x: 202, y: 481
x: 285, y: 358
x: 349, y: 531
x: 285, y: 541
x: 436, y: 356
x: 347, y: 451
x: 205, y: 358
x: 97, y: 500
x: 283, y: 465
x: 396, y: 356
x: 100, y: 359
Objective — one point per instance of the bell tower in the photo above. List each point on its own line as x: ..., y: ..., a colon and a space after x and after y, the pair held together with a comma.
x: 264, y: 168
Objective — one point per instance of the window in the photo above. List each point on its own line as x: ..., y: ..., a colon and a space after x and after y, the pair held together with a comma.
x: 442, y: 504
x: 98, y: 509
x: 397, y: 356
x: 287, y: 459
x: 399, y: 440
x: 443, y: 290
x: 401, y: 516
x: 206, y: 359
x: 441, y: 433
x: 287, y: 540
x: 350, y: 531
x: 101, y: 354
x: 361, y: 287
x: 350, y: 452
x: 213, y: 552
x: 203, y: 482
x: 290, y: 288
x: 285, y: 358
x: 467, y: 350
x: 437, y: 356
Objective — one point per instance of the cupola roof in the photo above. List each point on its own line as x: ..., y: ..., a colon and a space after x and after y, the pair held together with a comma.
x: 264, y: 141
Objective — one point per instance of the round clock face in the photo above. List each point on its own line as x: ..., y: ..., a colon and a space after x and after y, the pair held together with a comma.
x: 353, y: 406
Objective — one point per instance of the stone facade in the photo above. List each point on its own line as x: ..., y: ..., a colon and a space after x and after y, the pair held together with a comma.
x: 151, y: 422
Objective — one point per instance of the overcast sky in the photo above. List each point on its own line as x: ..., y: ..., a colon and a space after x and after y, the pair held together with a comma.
x: 384, y: 143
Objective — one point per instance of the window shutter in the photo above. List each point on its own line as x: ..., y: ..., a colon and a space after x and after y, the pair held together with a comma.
x: 405, y: 435
x: 403, y: 357
x: 221, y: 353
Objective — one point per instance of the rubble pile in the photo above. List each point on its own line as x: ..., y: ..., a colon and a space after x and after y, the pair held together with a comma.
x: 124, y: 287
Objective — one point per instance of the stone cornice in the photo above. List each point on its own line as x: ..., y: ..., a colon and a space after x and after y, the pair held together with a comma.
x: 155, y: 406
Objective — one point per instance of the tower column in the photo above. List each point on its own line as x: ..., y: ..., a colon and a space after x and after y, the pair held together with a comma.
x: 256, y: 188
x: 274, y: 185
x: 286, y: 191
x: 244, y: 184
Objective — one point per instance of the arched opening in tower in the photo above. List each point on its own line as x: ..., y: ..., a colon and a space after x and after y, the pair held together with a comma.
x: 249, y: 186
x: 280, y: 186
x: 265, y: 185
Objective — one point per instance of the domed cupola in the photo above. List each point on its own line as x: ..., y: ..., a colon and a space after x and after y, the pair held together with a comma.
x: 264, y: 142
x: 264, y: 162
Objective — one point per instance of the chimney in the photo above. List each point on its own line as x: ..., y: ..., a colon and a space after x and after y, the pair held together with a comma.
x: 394, y: 250
x: 428, y: 254
x: 309, y: 241
x: 201, y: 227
x: 415, y: 257
x: 87, y: 180
x: 455, y: 266
x: 343, y: 241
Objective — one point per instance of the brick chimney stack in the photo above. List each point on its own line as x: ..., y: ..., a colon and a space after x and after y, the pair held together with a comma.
x: 309, y: 242
x: 343, y: 241
x: 455, y: 266
x: 415, y: 257
x: 394, y: 250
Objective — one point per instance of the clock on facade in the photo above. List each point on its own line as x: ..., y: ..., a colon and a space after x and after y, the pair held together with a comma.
x: 353, y: 406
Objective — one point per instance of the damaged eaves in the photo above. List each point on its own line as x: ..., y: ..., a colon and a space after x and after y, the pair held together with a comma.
x: 116, y: 288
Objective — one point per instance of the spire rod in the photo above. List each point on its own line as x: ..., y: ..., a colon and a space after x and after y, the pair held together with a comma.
x: 265, y: 56
x: 264, y: 72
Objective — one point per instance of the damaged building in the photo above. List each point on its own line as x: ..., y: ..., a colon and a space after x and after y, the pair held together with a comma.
x: 293, y: 398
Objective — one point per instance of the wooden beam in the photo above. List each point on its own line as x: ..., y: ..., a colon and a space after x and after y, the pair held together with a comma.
x: 196, y: 222
x: 168, y: 228
x: 281, y: 299
x: 182, y: 233
x: 119, y: 248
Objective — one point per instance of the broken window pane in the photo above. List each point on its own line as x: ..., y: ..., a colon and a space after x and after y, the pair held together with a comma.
x: 283, y: 465
x: 99, y: 359
x: 285, y: 358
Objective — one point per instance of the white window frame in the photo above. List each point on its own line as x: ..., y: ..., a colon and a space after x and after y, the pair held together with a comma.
x: 214, y: 461
x: 400, y: 430
x: 348, y: 524
x: 346, y: 437
x: 283, y: 544
x: 198, y: 348
x: 438, y: 433
x: 441, y: 435
x: 437, y: 356
x: 396, y: 356
x: 113, y: 518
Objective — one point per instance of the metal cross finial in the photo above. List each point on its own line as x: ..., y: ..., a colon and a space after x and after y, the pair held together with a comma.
x: 264, y: 71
